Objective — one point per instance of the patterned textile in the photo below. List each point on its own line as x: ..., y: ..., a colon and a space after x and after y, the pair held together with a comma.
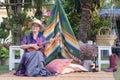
x: 58, y: 24
x: 57, y: 65
x: 73, y: 68
x: 67, y: 70
x: 32, y: 64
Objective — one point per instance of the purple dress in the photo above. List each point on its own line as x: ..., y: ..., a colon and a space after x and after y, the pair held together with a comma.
x: 32, y: 63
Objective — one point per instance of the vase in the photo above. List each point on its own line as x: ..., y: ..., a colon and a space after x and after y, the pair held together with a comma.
x: 87, y: 64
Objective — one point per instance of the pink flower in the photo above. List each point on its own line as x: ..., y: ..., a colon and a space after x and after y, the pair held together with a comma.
x: 48, y: 13
x: 88, y: 51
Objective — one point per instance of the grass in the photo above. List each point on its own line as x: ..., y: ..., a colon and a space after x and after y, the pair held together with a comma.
x: 117, y: 73
x: 4, y: 69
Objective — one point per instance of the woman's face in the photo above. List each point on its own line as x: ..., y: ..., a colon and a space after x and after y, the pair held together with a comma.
x: 35, y: 27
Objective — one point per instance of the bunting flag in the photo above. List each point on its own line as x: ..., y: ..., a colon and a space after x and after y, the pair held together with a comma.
x: 65, y: 45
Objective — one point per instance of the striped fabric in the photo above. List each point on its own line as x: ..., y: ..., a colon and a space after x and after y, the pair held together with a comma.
x: 65, y: 45
x: 49, y: 32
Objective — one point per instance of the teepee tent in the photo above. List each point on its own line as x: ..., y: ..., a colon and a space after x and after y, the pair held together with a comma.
x: 65, y: 45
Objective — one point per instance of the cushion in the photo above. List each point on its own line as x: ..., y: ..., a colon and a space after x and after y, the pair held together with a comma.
x: 73, y: 68
x: 67, y: 70
x: 57, y: 65
x: 77, y: 67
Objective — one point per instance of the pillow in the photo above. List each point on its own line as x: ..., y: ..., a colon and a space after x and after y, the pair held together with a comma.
x: 77, y: 67
x: 67, y: 70
x: 57, y: 65
x: 73, y: 68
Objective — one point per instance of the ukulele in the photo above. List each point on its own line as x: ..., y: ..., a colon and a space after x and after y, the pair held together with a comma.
x: 31, y: 49
x: 40, y: 44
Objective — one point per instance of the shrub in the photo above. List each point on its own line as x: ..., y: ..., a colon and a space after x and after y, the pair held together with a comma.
x: 4, y: 54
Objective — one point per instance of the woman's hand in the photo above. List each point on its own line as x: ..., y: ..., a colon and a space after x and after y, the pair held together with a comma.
x: 26, y: 46
x: 35, y: 46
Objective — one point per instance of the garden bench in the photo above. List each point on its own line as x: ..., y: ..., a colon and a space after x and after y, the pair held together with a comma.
x: 12, y: 58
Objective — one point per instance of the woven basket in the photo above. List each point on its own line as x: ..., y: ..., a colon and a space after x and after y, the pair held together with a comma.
x: 105, y: 38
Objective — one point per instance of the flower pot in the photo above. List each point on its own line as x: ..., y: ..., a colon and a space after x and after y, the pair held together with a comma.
x: 87, y: 64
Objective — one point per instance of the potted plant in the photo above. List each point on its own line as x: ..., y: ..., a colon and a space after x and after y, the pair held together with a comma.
x: 88, y: 53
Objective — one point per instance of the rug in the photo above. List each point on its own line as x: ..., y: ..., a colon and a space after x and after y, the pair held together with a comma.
x: 71, y: 76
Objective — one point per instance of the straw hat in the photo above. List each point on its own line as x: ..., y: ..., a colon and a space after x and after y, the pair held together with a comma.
x: 36, y: 21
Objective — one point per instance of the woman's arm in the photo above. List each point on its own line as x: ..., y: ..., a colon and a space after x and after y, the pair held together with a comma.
x: 25, y: 43
x: 26, y: 46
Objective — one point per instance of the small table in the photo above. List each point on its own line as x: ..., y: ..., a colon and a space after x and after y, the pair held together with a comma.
x: 12, y: 59
x: 100, y: 61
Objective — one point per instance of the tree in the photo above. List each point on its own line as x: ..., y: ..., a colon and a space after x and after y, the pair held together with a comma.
x: 73, y: 11
x: 17, y: 17
x: 117, y: 3
x: 88, y: 8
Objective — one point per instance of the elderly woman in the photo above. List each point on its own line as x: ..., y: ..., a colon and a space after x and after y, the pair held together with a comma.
x: 32, y: 63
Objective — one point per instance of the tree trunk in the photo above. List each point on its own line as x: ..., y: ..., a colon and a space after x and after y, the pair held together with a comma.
x: 19, y: 34
x: 19, y: 10
x: 19, y: 6
x: 85, y: 20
